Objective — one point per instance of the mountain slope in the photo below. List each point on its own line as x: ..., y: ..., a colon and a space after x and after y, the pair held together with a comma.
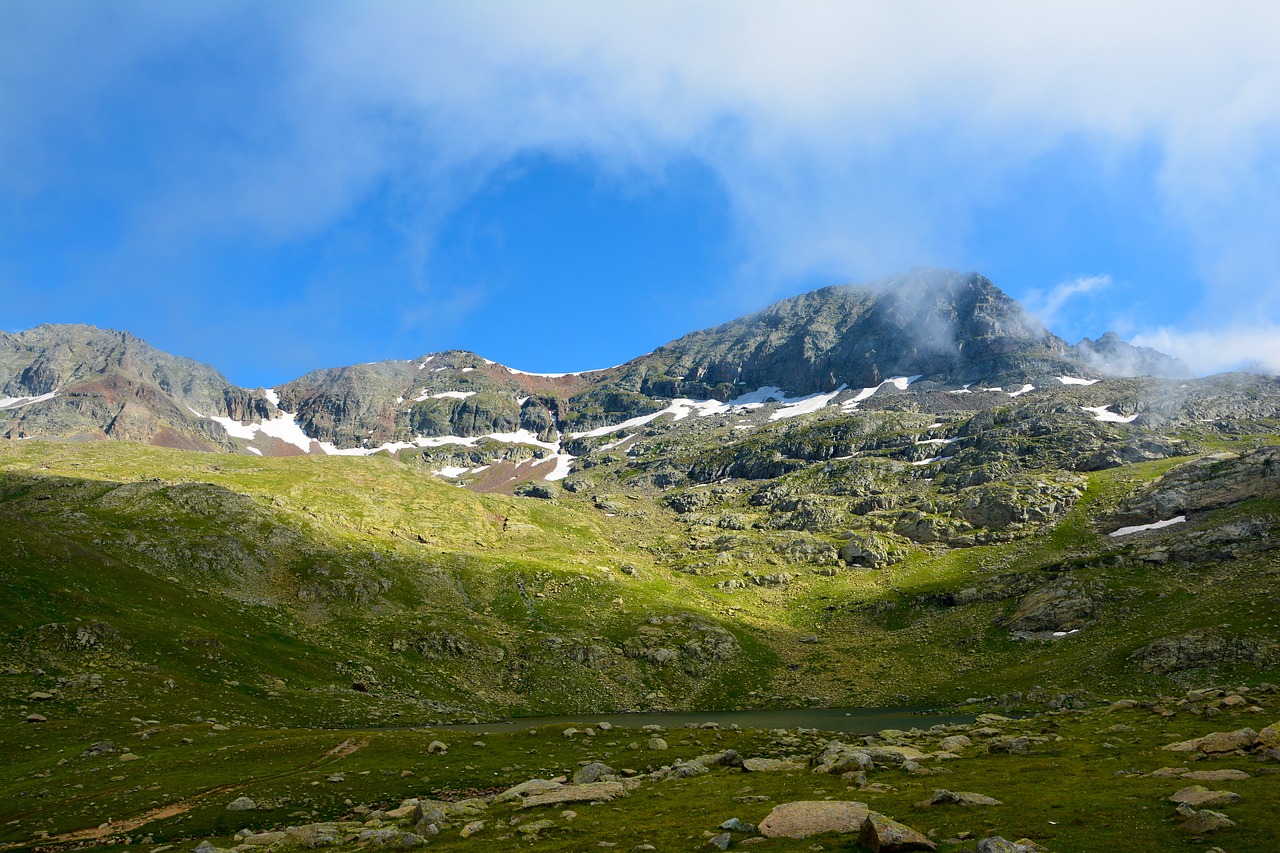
x: 945, y: 329
x: 946, y: 326
x: 84, y: 382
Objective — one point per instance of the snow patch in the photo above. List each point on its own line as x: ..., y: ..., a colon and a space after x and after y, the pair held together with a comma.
x: 452, y: 395
x: 899, y: 382
x: 1104, y: 413
x: 451, y: 471
x: 1075, y: 380
x: 1066, y: 633
x: 937, y: 440
x: 1023, y: 390
x: 19, y: 402
x: 563, y: 466
x: 254, y: 450
x: 806, y: 405
x: 271, y: 395
x: 1139, y: 528
x: 932, y: 460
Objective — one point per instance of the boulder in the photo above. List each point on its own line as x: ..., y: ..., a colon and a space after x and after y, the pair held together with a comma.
x: 596, y: 771
x: 1215, y: 775
x: 526, y: 789
x: 437, y: 747
x: 241, y: 804
x: 997, y: 844
x: 954, y: 743
x: 943, y: 797
x: 810, y: 817
x: 592, y: 792
x: 1217, y: 742
x: 1198, y: 795
x: 770, y: 765
x: 881, y: 834
x: 839, y: 758
x: 894, y: 756
x: 1202, y: 821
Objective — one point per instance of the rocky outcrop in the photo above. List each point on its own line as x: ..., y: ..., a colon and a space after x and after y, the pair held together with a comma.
x: 1203, y: 648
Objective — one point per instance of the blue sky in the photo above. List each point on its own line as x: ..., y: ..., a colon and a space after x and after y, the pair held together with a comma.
x: 274, y: 187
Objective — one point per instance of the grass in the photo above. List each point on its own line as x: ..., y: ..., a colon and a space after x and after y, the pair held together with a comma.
x: 310, y: 601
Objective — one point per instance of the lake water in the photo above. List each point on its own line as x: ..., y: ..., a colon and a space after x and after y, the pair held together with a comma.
x: 848, y: 720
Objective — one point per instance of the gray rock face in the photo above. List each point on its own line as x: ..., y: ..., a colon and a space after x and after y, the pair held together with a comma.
x: 1063, y: 607
x: 957, y: 327
x: 1112, y: 356
x: 1200, y: 648
x: 113, y: 385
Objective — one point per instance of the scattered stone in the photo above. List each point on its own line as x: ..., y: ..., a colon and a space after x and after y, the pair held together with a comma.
x: 536, y: 828
x: 811, y: 817
x: 656, y: 743
x: 1198, y: 795
x: 241, y: 804
x: 264, y: 839
x: 1217, y: 742
x: 593, y: 792
x: 40, y: 696
x: 838, y: 758
x: 997, y: 844
x: 770, y: 765
x: 735, y: 825
x: 721, y: 841
x: 129, y: 756
x: 882, y: 834
x: 1012, y: 746
x: 954, y: 743
x: 596, y: 771
x: 527, y: 789
x: 437, y: 748
x: 100, y: 748
x: 1215, y: 775
x: 471, y: 828
x: 943, y: 797
x: 1200, y: 822
x: 37, y: 718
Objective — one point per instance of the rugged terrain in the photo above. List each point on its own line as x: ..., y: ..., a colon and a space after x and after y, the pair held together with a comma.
x: 904, y: 495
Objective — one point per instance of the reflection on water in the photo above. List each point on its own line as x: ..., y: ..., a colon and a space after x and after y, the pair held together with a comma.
x: 848, y: 720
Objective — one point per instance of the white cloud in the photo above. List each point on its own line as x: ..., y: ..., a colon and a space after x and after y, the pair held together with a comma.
x: 1047, y: 305
x: 1214, y: 351
x: 851, y: 139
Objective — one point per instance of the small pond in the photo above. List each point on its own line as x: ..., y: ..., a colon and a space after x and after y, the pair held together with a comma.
x: 848, y: 720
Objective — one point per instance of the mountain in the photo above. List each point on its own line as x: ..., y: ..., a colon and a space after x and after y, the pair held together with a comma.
x: 945, y: 326
x: 1112, y: 356
x: 905, y: 495
x: 75, y: 381
x: 945, y: 330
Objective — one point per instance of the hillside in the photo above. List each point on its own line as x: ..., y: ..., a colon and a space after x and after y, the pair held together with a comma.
x: 376, y: 551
